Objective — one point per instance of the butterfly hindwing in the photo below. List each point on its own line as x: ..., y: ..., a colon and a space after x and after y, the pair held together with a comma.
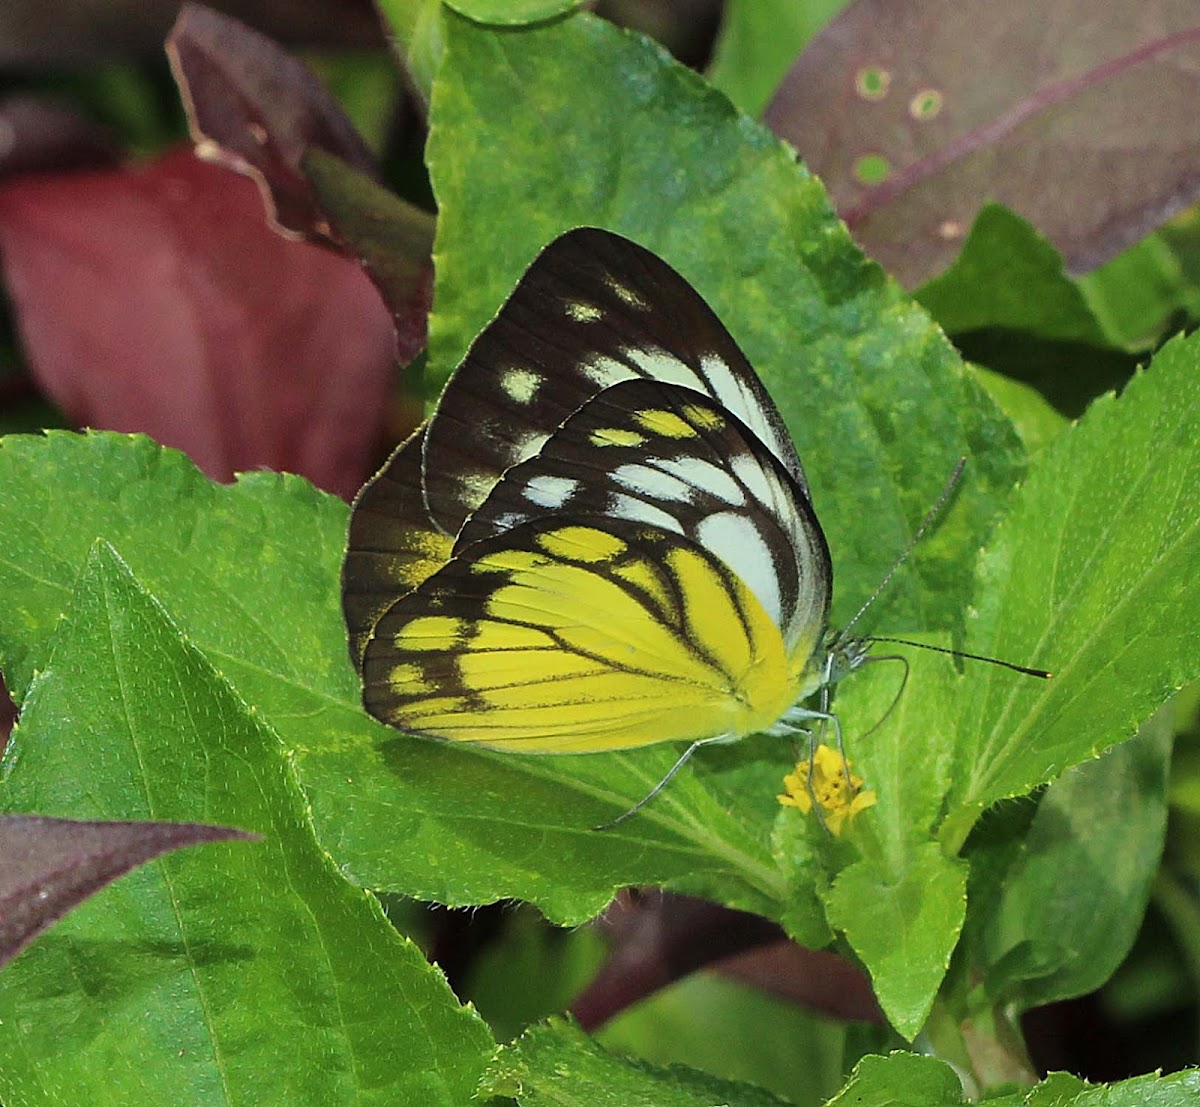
x: 593, y: 309
x: 565, y: 636
x: 670, y: 457
x: 393, y: 544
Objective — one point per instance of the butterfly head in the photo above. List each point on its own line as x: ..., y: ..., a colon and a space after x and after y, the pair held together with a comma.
x: 844, y: 654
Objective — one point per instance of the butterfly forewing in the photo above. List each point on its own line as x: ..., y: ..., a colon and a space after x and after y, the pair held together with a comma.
x: 565, y: 636
x: 672, y: 458
x: 592, y: 310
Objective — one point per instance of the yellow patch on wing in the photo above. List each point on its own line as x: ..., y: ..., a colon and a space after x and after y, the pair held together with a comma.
x: 616, y: 436
x: 706, y: 417
x: 581, y: 544
x: 600, y: 642
x: 664, y: 423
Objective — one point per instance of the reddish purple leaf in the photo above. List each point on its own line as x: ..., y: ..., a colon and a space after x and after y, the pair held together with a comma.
x: 1080, y: 116
x: 157, y: 299
x: 255, y: 108
x: 48, y: 866
x: 655, y: 940
x: 392, y: 238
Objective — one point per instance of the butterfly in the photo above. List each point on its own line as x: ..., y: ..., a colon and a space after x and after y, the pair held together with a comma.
x: 602, y: 538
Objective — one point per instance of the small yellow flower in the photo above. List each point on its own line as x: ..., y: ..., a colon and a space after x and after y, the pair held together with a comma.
x: 833, y: 786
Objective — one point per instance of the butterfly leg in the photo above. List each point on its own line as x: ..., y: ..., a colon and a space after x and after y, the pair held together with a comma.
x: 683, y: 759
x: 793, y: 723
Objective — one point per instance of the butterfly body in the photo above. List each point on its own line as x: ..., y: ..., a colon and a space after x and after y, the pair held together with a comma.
x: 602, y: 538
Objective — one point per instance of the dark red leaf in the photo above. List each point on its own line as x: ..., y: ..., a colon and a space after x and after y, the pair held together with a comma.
x: 255, y: 108
x: 658, y: 938
x: 393, y: 239
x: 157, y: 299
x: 48, y: 866
x: 1080, y: 116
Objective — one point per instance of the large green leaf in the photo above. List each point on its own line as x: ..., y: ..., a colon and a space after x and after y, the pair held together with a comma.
x: 1096, y: 576
x: 1072, y: 901
x: 274, y: 978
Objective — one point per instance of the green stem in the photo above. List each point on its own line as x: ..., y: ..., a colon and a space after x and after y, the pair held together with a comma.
x: 986, y: 1050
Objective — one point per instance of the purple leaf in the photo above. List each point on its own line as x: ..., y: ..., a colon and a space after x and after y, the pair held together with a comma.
x: 392, y: 238
x: 1076, y: 115
x: 255, y: 108
x: 48, y: 866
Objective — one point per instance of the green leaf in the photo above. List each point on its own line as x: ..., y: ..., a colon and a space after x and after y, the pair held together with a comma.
x: 737, y: 1032
x: 1180, y: 1089
x: 909, y: 1080
x: 276, y: 979
x: 511, y: 13
x: 903, y: 923
x: 249, y: 568
x: 759, y: 40
x: 1073, y: 902
x: 557, y: 1064
x: 1008, y: 275
x: 901, y: 905
x: 1007, y: 303
x: 878, y: 403
x: 900, y: 1080
x: 1152, y: 289
x: 1036, y: 421
x: 1096, y: 576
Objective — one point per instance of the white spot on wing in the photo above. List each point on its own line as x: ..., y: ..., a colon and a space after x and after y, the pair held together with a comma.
x: 520, y: 385
x: 547, y: 490
x: 735, y: 393
x: 762, y: 484
x: 704, y: 474
x: 604, y: 371
x: 660, y: 365
x: 736, y: 541
x: 630, y: 507
x: 507, y: 521
x: 528, y: 445
x: 653, y: 483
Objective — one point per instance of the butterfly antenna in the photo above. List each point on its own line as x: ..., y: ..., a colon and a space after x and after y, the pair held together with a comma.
x: 930, y: 516
x: 1027, y: 670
